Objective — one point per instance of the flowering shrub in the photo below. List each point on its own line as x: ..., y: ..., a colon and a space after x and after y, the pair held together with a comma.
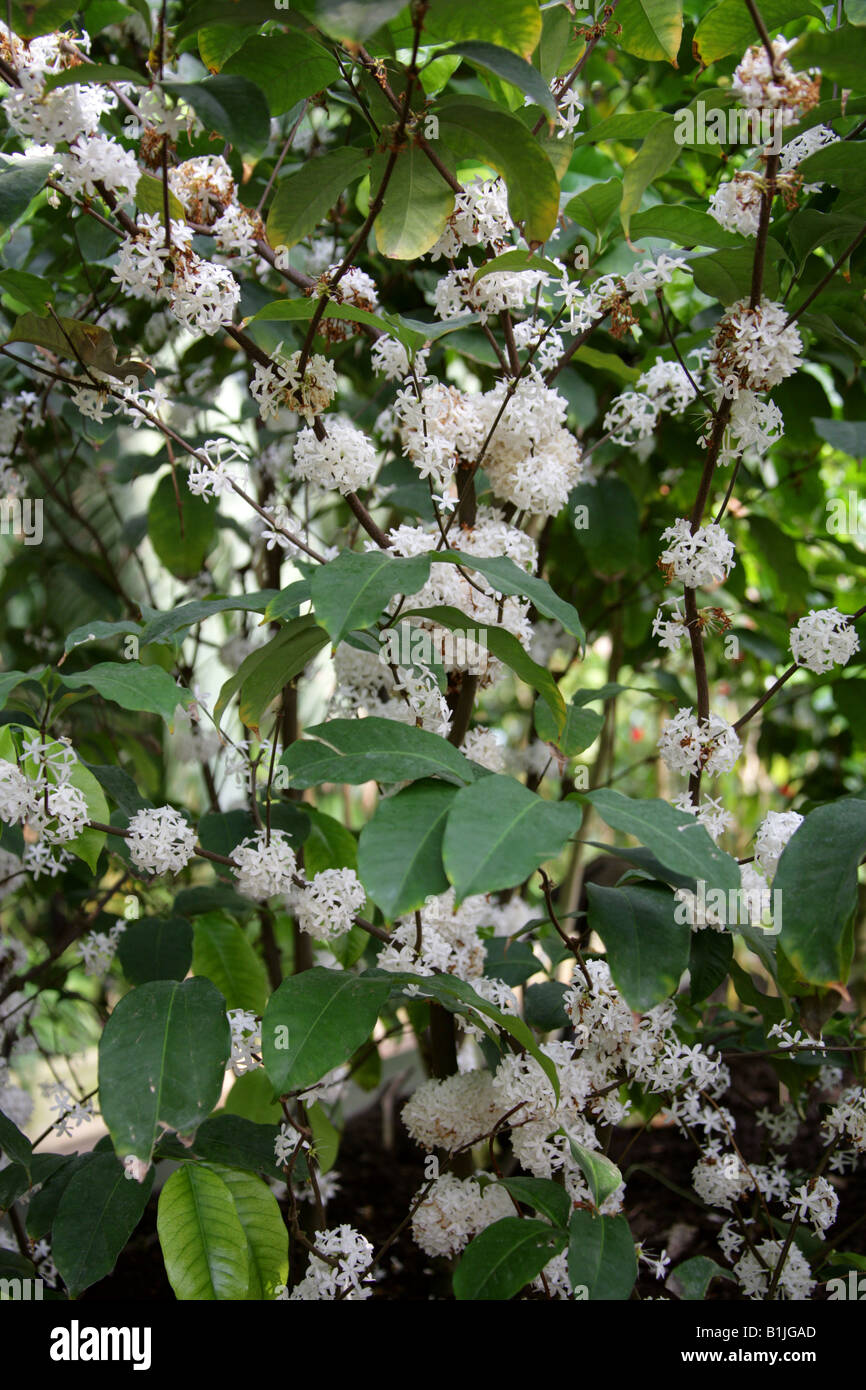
x: 332, y: 335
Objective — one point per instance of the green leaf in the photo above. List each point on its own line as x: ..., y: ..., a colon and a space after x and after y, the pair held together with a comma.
x: 33, y: 17
x: 601, y: 1256
x: 98, y: 1212
x: 655, y: 156
x: 651, y: 29
x: 499, y: 642
x: 156, y: 948
x: 511, y: 24
x: 353, y: 590
x: 329, y: 844
x: 514, y: 260
x: 15, y: 1145
x: 163, y: 627
x: 217, y: 43
x: 727, y: 275
x: 150, y: 198
x: 508, y: 578
x: 674, y: 837
x: 400, y: 849
x: 162, y: 1058
x: 417, y: 204
x: 837, y: 164
x: 315, y: 1021
x: 710, y: 957
x: 602, y: 1175
x: 544, y: 1196
x: 181, y: 530
x: 361, y: 750
x: 498, y: 832
x: 694, y: 1276
x: 594, y: 207
x: 479, y: 129
x: 607, y: 523
x: 681, y: 225
x: 326, y: 1137
x: 238, y: 1141
x: 728, y: 27
x: 647, y: 948
x: 264, y: 1228
x: 848, y: 436
x: 303, y: 199
x: 838, y: 53
x: 204, y: 1245
x: 505, y: 1257
x: 353, y: 21
x: 95, y: 74
x: 87, y: 343
x: 508, y: 65
x: 203, y: 14
x: 267, y: 670
x: 233, y: 106
x: 10, y: 680
x: 88, y: 845
x: 224, y: 956
x: 29, y: 291
x: 287, y: 68
x: 146, y: 689
x: 582, y: 727
x: 817, y: 880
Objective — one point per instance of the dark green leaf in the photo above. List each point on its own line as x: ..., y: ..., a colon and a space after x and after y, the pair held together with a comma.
x: 504, y: 1258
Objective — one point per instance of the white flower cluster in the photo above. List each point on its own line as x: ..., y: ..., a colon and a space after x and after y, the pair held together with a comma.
x: 204, y: 187
x: 97, y: 949
x: 456, y: 1209
x: 755, y: 348
x: 200, y: 294
x: 279, y: 387
x: 818, y: 137
x: 822, y: 639
x: 338, y: 1270
x: 532, y: 460
x: 70, y: 1112
x: 758, y: 86
x: 772, y: 835
x: 459, y: 292
x: 246, y: 1033
x: 754, y: 1274
x: 690, y: 745
x: 266, y: 865
x: 480, y: 218
x: 698, y: 558
x: 816, y: 1202
x: 736, y: 204
x: 390, y: 359
x: 41, y: 796
x: 354, y: 287
x: 452, y: 1113
x: 160, y: 841
x: 59, y: 116
x: 210, y: 473
x: 711, y: 814
x: 448, y: 939
x: 847, y: 1118
x: 344, y: 459
x: 754, y: 424
x: 327, y: 905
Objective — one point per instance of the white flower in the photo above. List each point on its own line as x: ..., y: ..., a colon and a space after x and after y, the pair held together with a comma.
x: 265, y: 869
x: 736, y: 205
x: 773, y: 834
x: 351, y: 1254
x: 795, y: 1281
x: 699, y: 558
x: 816, y: 1201
x: 327, y: 905
x: 97, y: 949
x: 209, y: 475
x: 278, y: 386
x: 451, y: 1113
x: 454, y: 1210
x: 822, y: 638
x: 246, y: 1041
x: 690, y: 746
x: 160, y: 841
x: 345, y: 459
x: 754, y: 349
x: 758, y: 86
